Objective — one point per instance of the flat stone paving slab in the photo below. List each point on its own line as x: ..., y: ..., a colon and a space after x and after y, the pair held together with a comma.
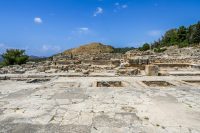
x: 75, y: 105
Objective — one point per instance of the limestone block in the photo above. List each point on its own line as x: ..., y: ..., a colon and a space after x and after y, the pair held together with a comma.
x: 86, y: 72
x: 127, y: 72
x: 116, y: 63
x: 151, y: 70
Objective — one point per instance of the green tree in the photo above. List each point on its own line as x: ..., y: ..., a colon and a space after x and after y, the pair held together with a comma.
x: 196, y: 36
x: 156, y: 44
x: 145, y: 47
x: 170, y: 38
x: 182, y: 37
x: 182, y: 34
x: 190, y: 34
x: 14, y: 56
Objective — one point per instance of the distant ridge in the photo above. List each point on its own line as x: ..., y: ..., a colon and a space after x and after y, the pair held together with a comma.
x: 92, y: 48
x: 36, y: 57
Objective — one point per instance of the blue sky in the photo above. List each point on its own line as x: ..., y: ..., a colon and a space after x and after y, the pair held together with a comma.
x: 46, y: 27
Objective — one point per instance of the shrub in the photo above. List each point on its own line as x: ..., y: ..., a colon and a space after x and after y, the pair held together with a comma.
x: 14, y: 56
x: 145, y: 47
x: 183, y: 44
x: 159, y: 50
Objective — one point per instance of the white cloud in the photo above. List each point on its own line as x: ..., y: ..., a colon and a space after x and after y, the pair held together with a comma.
x: 47, y: 48
x: 2, y: 45
x: 2, y: 48
x: 124, y: 6
x: 80, y: 31
x: 119, y: 6
x: 38, y: 20
x: 98, y: 11
x: 84, y: 29
x: 155, y: 33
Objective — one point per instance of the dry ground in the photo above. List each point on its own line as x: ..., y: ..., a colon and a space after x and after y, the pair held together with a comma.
x: 76, y: 104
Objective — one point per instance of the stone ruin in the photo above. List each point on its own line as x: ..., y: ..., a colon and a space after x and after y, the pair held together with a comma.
x: 104, y: 92
x: 172, y: 61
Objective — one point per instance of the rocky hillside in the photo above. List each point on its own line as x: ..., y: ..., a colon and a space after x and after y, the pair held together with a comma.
x: 171, y: 51
x: 92, y: 48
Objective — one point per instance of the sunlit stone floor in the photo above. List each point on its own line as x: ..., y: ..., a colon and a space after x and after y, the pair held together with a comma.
x: 76, y: 104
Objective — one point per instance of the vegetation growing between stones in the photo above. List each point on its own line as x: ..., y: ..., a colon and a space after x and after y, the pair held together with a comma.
x: 159, y: 50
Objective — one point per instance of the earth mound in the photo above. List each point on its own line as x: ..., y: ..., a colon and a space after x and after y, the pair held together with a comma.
x: 92, y: 48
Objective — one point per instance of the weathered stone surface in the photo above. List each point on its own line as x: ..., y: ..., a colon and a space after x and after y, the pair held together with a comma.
x: 86, y: 72
x: 151, y: 70
x: 103, y: 92
x: 128, y: 72
x: 72, y: 104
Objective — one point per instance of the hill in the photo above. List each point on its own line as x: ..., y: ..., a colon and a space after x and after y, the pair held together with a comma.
x: 92, y: 48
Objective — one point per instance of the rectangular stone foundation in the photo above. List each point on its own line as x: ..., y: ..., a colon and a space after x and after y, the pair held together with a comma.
x: 157, y: 83
x: 109, y: 84
x: 197, y: 82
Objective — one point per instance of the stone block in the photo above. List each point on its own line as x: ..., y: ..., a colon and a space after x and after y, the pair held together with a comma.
x: 151, y: 70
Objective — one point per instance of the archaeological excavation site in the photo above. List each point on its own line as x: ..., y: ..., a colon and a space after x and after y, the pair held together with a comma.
x: 91, y: 89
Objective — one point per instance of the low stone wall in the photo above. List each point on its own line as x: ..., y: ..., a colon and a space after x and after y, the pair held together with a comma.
x: 179, y: 65
x: 66, y: 62
x: 169, y: 60
x: 97, y: 62
x: 195, y: 66
x: 138, y: 61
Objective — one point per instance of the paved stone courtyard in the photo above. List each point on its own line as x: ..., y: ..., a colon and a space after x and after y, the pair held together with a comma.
x: 167, y: 104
